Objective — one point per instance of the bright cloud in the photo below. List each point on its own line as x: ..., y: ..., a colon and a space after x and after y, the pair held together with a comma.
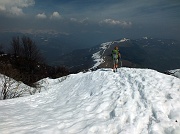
x: 41, y: 16
x: 14, y: 7
x: 116, y: 22
x: 55, y: 15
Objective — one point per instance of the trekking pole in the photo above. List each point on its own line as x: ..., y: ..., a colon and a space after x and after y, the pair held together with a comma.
x: 120, y: 61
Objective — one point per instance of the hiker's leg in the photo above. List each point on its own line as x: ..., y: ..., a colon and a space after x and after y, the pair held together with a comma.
x: 114, y: 64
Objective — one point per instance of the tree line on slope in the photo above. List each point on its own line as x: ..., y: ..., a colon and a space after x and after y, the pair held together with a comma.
x: 24, y: 62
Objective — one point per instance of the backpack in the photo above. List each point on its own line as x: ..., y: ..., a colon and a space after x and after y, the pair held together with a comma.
x: 115, y: 54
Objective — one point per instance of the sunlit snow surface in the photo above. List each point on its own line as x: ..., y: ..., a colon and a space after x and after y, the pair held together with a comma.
x: 131, y: 101
x: 97, y: 57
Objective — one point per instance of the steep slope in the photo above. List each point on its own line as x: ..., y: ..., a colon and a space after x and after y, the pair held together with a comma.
x: 131, y: 101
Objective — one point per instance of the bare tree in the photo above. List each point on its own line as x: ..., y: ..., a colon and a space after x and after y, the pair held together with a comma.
x: 8, y: 87
x: 30, y: 50
x: 16, y: 47
x: 7, y: 92
x: 25, y: 48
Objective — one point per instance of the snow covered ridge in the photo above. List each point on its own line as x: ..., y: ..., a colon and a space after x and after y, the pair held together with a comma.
x: 124, y: 40
x: 97, y: 57
x: 131, y: 101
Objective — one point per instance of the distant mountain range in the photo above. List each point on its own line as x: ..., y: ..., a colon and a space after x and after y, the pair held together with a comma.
x: 60, y: 49
x: 153, y: 53
x: 52, y: 45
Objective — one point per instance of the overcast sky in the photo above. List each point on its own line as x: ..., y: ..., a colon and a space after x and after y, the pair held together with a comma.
x: 106, y: 19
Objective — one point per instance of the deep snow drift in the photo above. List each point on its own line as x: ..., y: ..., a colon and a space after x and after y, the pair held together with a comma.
x: 131, y: 101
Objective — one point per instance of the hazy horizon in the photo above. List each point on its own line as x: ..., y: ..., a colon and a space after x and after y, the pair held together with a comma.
x: 90, y: 20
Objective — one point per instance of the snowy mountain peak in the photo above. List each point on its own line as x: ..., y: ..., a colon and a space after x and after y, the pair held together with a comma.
x: 123, y: 40
x: 145, y: 38
x: 131, y: 101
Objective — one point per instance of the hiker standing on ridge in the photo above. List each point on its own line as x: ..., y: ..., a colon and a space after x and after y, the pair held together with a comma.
x: 116, y: 57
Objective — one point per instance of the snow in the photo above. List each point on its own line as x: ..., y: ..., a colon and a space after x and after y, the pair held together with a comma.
x: 145, y: 38
x: 175, y: 72
x: 124, y: 40
x: 14, y: 88
x: 131, y: 101
x: 97, y: 57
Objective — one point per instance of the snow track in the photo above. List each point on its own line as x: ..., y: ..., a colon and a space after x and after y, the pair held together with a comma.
x: 131, y: 101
